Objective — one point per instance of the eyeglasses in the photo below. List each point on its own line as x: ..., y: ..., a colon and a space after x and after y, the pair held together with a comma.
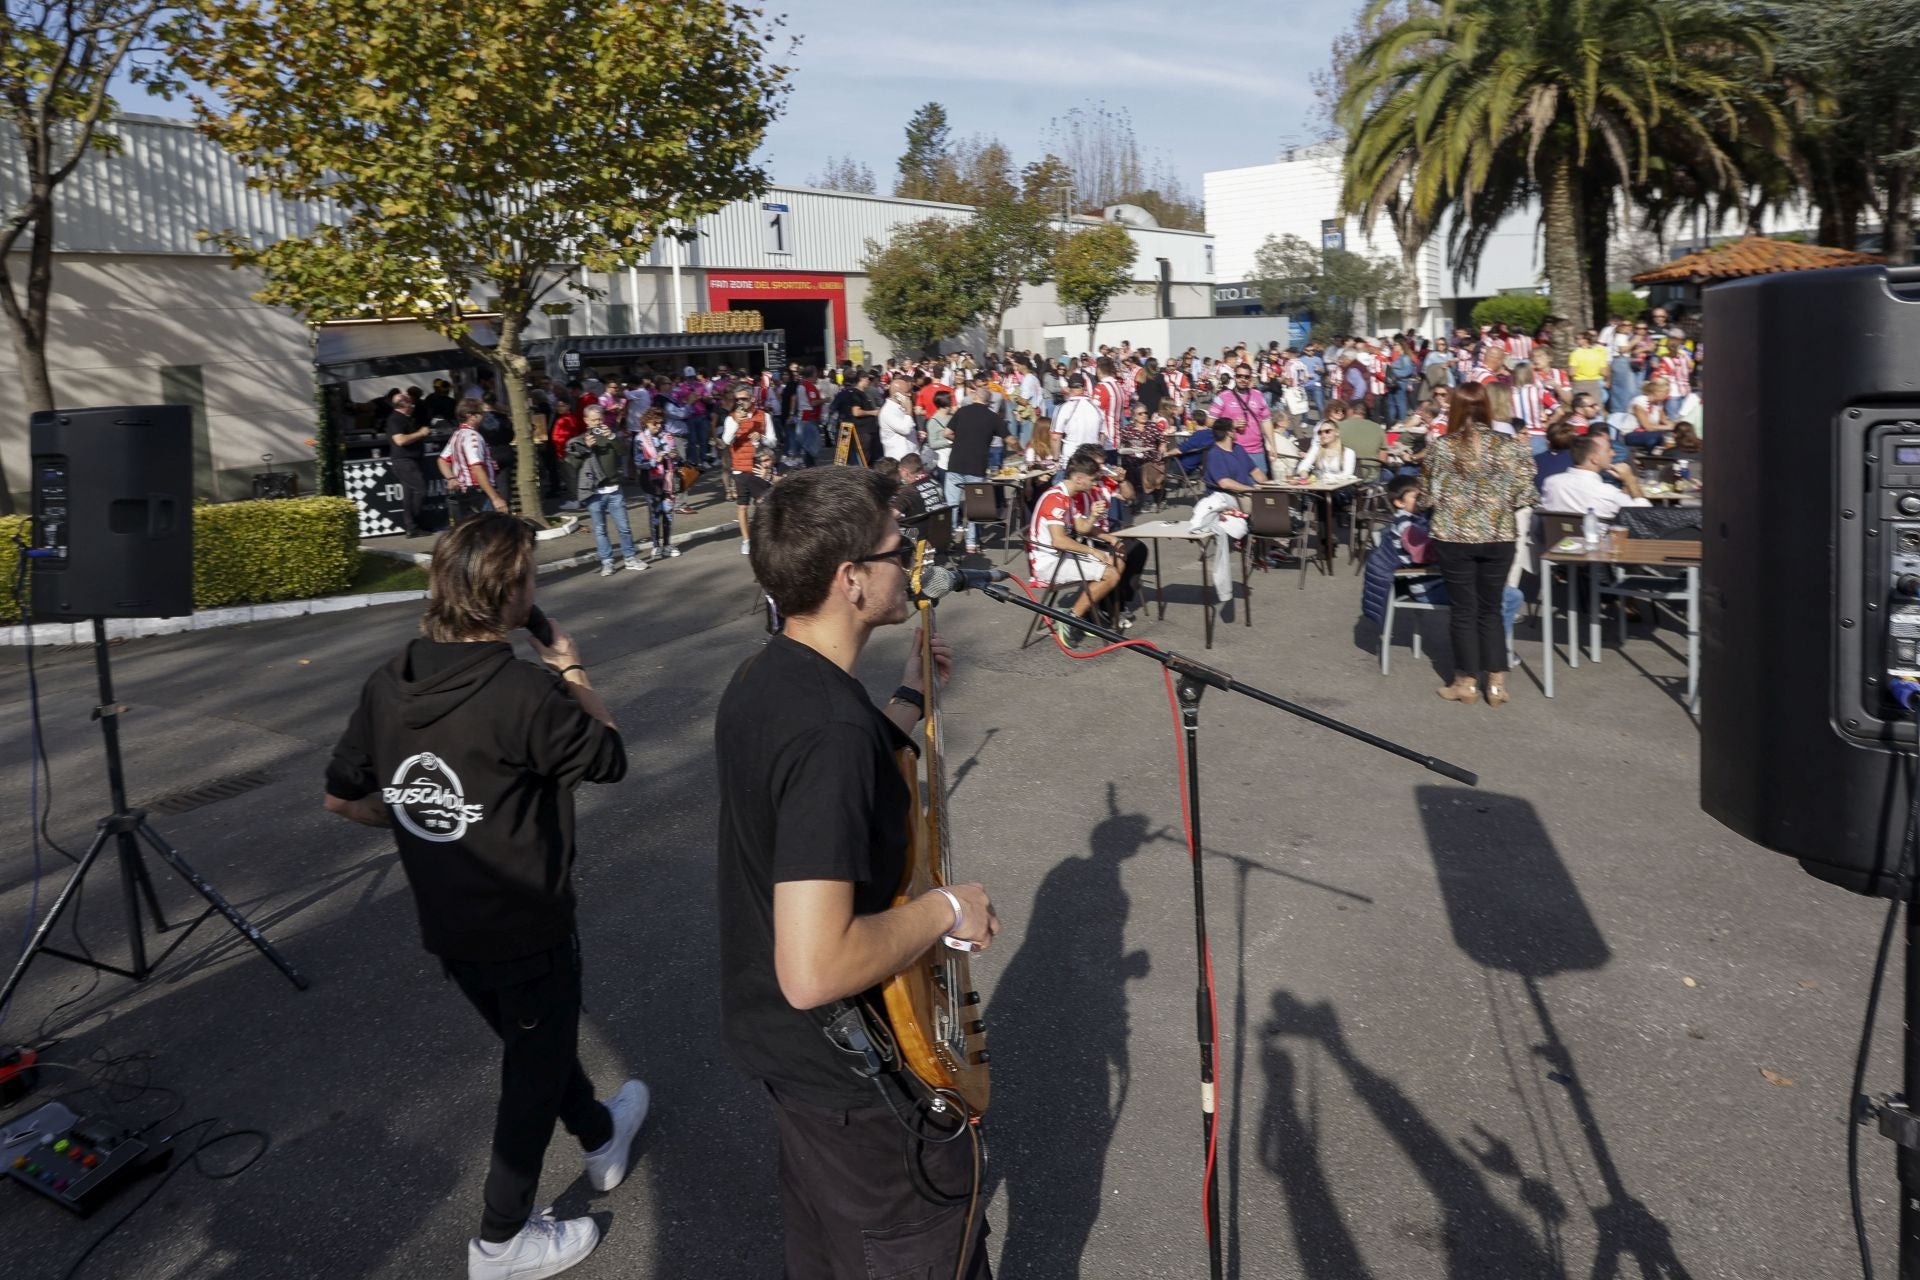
x: 901, y: 555
x: 1328, y: 433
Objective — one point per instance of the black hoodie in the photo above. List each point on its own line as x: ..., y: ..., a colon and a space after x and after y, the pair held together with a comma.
x: 476, y: 755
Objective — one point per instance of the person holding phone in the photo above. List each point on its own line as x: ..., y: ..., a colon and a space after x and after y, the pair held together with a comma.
x: 470, y: 756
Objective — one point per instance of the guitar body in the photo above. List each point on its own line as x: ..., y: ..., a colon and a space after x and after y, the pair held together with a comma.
x: 931, y: 1004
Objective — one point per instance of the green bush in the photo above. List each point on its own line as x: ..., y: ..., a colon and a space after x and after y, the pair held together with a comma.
x: 1520, y: 312
x: 13, y: 531
x: 276, y: 549
x: 1624, y: 303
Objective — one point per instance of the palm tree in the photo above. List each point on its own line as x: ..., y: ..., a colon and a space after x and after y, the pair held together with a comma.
x: 1480, y: 106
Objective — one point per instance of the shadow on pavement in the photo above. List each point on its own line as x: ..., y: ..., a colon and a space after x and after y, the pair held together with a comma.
x: 1061, y: 1070
x: 1515, y: 910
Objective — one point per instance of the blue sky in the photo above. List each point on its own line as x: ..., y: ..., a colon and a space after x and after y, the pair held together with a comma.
x: 1210, y: 85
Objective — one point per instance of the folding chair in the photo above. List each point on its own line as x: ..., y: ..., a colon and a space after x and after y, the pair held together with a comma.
x: 979, y: 505
x: 1371, y: 513
x: 1050, y: 592
x: 1400, y: 600
x: 1271, y: 518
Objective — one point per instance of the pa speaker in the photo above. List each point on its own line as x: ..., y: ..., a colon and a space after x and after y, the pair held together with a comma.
x: 112, y: 512
x: 1811, y: 565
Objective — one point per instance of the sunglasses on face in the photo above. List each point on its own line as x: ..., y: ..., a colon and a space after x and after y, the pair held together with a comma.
x: 901, y: 555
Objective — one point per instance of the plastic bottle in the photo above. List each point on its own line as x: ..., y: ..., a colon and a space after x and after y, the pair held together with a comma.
x: 1683, y: 469
x: 1590, y: 530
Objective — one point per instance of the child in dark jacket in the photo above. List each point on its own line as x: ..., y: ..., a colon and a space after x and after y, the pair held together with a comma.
x: 1406, y: 542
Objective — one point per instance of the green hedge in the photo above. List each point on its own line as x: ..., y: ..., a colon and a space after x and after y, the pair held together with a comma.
x: 11, y: 528
x: 274, y: 549
x: 1520, y: 312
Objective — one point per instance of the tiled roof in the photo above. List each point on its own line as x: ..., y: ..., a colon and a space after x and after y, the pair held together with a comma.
x: 1752, y: 256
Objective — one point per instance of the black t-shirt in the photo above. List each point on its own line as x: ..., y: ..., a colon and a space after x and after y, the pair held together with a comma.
x: 973, y: 429
x: 919, y: 497
x: 809, y: 790
x: 844, y: 402
x: 399, y: 424
x: 1153, y: 391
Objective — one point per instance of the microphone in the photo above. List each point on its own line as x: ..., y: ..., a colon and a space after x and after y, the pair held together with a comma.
x: 941, y: 581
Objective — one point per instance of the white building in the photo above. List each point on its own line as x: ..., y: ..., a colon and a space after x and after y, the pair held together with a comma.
x: 144, y: 311
x: 1299, y: 194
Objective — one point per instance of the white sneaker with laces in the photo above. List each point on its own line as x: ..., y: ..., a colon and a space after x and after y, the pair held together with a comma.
x: 636, y: 564
x: 607, y: 1167
x: 606, y: 568
x: 673, y: 553
x: 545, y: 1247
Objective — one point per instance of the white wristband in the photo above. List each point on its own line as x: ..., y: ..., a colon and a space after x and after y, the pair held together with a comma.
x: 953, y: 898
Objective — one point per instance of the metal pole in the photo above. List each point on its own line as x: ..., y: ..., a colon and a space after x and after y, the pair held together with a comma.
x: 633, y: 298
x: 1189, y: 691
x: 125, y: 843
x: 674, y: 248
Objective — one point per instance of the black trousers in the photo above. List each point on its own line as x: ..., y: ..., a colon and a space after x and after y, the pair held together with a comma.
x: 464, y: 504
x: 413, y: 488
x: 851, y: 1211
x: 533, y: 1005
x: 1476, y: 578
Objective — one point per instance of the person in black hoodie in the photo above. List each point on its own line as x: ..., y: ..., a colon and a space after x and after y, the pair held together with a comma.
x: 471, y: 757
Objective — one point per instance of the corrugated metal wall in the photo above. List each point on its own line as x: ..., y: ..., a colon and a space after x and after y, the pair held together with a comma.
x: 169, y: 183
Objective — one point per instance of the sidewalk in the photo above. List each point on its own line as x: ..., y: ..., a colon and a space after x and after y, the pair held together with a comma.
x: 712, y: 520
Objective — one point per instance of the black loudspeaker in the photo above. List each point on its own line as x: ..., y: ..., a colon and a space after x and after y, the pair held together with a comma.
x: 112, y: 512
x: 1811, y: 564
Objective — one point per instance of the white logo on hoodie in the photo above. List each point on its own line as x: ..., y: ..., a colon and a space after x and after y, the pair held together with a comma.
x: 427, y: 800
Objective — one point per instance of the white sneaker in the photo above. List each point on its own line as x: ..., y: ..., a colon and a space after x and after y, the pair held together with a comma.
x: 606, y: 568
x: 656, y: 554
x: 673, y: 553
x: 636, y: 564
x: 544, y: 1247
x: 607, y: 1167
x: 744, y: 548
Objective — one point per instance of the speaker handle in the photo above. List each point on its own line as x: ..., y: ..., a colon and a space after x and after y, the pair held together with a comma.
x: 1904, y: 281
x: 159, y: 514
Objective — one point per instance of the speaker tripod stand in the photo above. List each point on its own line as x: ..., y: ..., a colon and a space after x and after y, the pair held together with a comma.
x: 125, y: 829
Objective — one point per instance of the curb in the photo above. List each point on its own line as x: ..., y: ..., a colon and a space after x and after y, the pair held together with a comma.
x: 59, y: 633
x: 67, y: 633
x: 579, y: 561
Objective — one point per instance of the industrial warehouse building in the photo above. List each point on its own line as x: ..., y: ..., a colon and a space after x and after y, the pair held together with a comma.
x: 144, y: 311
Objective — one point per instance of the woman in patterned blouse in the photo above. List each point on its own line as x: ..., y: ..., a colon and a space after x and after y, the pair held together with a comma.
x: 1477, y: 480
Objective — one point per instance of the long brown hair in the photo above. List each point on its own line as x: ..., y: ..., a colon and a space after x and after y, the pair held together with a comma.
x: 477, y: 571
x: 1469, y: 408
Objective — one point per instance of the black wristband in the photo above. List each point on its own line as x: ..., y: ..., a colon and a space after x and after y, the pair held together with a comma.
x: 912, y: 697
x: 575, y: 667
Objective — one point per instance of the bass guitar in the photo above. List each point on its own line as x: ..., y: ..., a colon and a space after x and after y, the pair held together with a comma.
x: 931, y: 1004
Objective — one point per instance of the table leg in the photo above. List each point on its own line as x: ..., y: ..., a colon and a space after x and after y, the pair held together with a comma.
x: 1546, y: 607
x: 1593, y: 612
x: 1206, y: 588
x: 1159, y: 586
x: 1573, y: 616
x: 1693, y: 638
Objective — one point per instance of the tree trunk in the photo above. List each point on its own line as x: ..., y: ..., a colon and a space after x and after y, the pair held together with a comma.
x: 28, y: 326
x: 1093, y: 326
x: 1560, y: 234
x: 1594, y: 221
x: 512, y: 366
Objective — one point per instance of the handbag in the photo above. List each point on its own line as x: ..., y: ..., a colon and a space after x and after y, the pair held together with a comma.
x: 1153, y: 475
x: 1295, y: 399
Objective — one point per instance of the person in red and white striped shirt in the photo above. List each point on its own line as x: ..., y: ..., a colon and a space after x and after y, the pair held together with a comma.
x: 1110, y: 399
x: 1676, y: 366
x: 1533, y: 404
x: 1544, y: 373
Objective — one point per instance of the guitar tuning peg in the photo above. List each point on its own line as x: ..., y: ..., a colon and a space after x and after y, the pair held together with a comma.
x: 975, y: 1027
x: 978, y: 1058
x: 972, y: 997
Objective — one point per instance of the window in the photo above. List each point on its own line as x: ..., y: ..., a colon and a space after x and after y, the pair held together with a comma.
x: 775, y: 221
x: 1209, y: 259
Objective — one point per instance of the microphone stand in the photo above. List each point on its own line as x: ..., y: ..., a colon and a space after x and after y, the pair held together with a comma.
x: 1191, y: 679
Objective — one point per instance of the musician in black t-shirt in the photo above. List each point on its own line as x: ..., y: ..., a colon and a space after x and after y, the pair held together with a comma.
x: 406, y: 456
x: 812, y: 844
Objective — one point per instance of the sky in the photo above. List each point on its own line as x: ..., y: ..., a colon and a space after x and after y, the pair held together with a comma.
x: 1209, y: 84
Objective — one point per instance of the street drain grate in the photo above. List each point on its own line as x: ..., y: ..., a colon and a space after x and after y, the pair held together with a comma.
x: 209, y: 793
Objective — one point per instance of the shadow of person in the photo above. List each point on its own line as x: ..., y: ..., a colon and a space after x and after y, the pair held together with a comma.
x: 1060, y: 1066
x: 1479, y: 1236
x: 1289, y: 1148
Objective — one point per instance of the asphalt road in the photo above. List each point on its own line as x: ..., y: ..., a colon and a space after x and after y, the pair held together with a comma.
x: 1511, y: 1031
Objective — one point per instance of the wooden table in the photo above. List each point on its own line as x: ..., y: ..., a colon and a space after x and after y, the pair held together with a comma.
x: 1626, y: 553
x: 1672, y: 497
x: 1322, y: 491
x: 1159, y: 531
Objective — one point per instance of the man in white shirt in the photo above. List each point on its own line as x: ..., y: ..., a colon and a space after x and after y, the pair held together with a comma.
x: 1078, y: 421
x: 1580, y: 489
x: 898, y: 434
